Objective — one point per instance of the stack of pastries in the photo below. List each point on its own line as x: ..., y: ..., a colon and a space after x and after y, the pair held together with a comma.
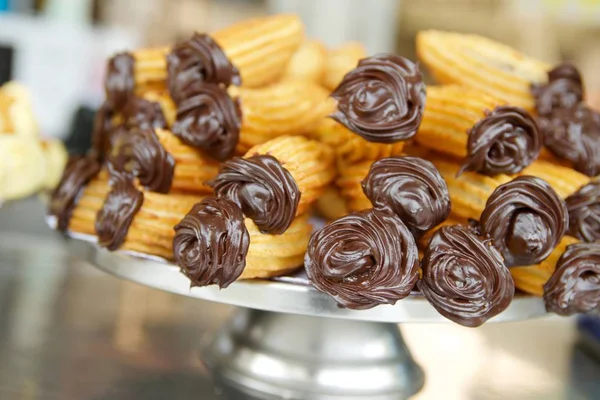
x: 214, y: 153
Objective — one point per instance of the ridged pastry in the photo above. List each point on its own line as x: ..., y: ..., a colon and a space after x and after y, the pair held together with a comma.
x: 340, y: 61
x: 307, y: 63
x: 483, y: 64
x: 488, y: 136
x: 285, y: 108
x: 531, y: 279
x: 160, y: 161
x: 22, y: 166
x: 277, y: 180
x: 215, y: 244
x: 350, y: 148
x: 331, y: 205
x: 349, y: 183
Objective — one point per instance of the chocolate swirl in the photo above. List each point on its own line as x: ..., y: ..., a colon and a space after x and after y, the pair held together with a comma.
x: 412, y: 188
x: 381, y: 100
x: 119, y: 81
x: 464, y: 277
x: 211, y: 243
x: 113, y: 220
x: 101, y: 134
x: 209, y: 119
x: 364, y: 259
x: 575, y: 284
x: 198, y: 59
x: 139, y: 153
x: 563, y: 91
x: 143, y: 114
x: 265, y: 191
x: 574, y: 134
x: 504, y: 142
x: 77, y: 174
x: 584, y: 212
x: 526, y: 219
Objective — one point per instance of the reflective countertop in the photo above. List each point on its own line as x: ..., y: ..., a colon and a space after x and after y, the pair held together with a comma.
x: 69, y: 331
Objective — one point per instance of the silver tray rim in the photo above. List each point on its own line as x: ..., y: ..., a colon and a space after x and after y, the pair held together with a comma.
x: 281, y: 297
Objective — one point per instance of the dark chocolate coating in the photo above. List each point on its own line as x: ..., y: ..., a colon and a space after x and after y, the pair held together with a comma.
x: 78, y: 172
x: 464, y: 277
x: 574, y: 134
x: 382, y: 99
x: 504, y: 142
x: 103, y: 128
x: 584, y: 212
x: 119, y: 81
x: 575, y: 284
x: 211, y: 243
x: 198, y: 59
x: 143, y: 114
x: 210, y: 120
x: 412, y: 188
x: 364, y: 259
x: 526, y: 219
x: 113, y: 220
x: 265, y: 191
x: 563, y: 91
x: 139, y: 153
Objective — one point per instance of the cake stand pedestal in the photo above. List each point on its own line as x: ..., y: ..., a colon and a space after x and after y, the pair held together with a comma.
x: 290, y: 341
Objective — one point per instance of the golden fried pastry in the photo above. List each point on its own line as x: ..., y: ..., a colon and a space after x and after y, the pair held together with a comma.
x: 285, y: 108
x: 276, y: 181
x: 214, y: 244
x: 483, y: 64
x: 16, y: 111
x: 331, y: 205
x: 489, y: 137
x: 92, y: 197
x: 531, y: 279
x: 349, y: 147
x: 340, y: 61
x: 22, y: 166
x: 307, y: 63
x: 160, y: 161
x: 56, y: 158
x: 349, y: 182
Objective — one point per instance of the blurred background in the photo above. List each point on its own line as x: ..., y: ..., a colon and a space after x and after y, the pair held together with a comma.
x: 58, y: 48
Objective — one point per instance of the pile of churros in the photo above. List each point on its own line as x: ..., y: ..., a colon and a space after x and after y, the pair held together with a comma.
x: 215, y: 153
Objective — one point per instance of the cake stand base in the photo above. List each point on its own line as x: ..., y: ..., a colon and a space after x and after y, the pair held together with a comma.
x: 269, y: 355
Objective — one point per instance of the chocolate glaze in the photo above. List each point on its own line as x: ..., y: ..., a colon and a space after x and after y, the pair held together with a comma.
x: 113, y: 220
x: 77, y: 174
x: 211, y: 243
x: 584, y: 212
x: 265, y: 191
x: 139, y: 153
x: 101, y: 134
x: 504, y: 142
x: 412, y: 188
x: 574, y: 134
x: 382, y: 99
x: 143, y: 114
x: 209, y: 119
x: 119, y: 81
x: 364, y: 259
x: 575, y: 284
x: 198, y: 59
x: 563, y: 91
x: 526, y: 219
x: 464, y: 277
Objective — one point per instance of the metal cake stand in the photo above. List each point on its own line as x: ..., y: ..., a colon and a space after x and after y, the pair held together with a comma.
x: 288, y: 340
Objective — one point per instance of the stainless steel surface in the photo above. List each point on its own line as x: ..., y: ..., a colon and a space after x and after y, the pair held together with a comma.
x: 273, y: 355
x: 279, y: 296
x: 69, y: 331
